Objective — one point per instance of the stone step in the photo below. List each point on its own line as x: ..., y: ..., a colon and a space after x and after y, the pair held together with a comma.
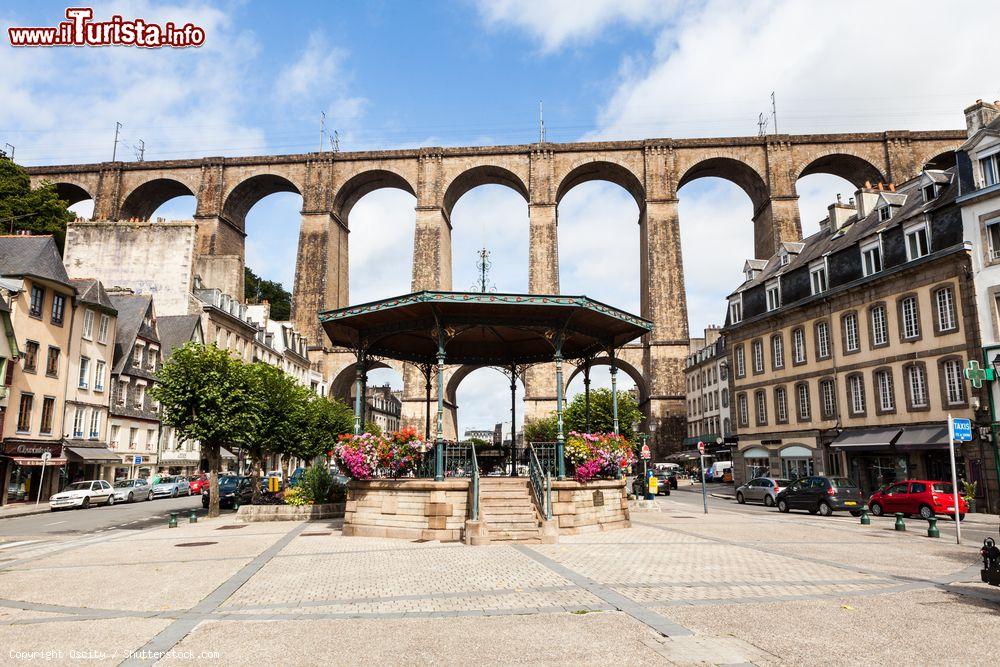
x: 494, y: 518
x: 514, y: 535
x: 515, y: 485
x: 503, y: 493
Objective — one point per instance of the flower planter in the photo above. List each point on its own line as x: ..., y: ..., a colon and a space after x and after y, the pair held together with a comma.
x: 252, y: 513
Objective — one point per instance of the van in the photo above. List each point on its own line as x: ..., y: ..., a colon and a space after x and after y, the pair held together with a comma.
x: 717, y: 471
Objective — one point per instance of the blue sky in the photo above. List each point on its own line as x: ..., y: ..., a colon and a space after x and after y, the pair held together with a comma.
x: 398, y: 74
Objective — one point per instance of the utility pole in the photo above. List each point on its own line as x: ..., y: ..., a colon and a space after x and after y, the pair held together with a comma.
x: 114, y: 151
x: 322, y: 129
x: 774, y: 112
x: 11, y: 147
x: 761, y: 125
x: 541, y: 124
x: 335, y: 141
x: 140, y: 150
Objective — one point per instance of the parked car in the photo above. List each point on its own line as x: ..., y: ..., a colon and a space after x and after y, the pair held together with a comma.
x: 83, y: 495
x: 672, y: 478
x: 824, y: 495
x: 761, y: 490
x: 198, y: 482
x: 233, y: 489
x: 917, y: 496
x: 130, y: 490
x: 663, y: 483
x: 172, y: 486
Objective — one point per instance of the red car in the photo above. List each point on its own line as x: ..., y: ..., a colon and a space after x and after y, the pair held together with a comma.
x: 917, y: 496
x: 198, y: 482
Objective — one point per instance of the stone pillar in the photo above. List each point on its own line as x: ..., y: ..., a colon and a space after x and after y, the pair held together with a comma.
x: 107, y: 199
x: 775, y: 221
x: 901, y: 162
x: 432, y: 249
x: 543, y: 249
x: 320, y: 273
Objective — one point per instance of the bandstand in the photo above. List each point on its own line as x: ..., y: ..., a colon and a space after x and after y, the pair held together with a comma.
x: 510, y: 332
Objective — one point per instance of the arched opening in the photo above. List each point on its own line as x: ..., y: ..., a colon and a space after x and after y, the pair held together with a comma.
x: 270, y: 248
x: 488, y: 208
x: 941, y: 161
x: 822, y: 180
x: 383, y: 394
x: 598, y: 208
x: 629, y: 380
x: 245, y: 196
x: 379, y: 208
x: 163, y: 198
x: 77, y: 199
x: 718, y: 198
x: 482, y: 400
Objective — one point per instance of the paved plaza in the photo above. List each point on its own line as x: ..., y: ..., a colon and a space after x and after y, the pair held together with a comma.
x: 678, y: 587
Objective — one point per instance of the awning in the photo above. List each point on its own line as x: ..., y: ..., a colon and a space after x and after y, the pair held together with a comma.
x: 868, y: 439
x: 93, y: 454
x: 923, y: 437
x: 36, y: 461
x: 226, y: 454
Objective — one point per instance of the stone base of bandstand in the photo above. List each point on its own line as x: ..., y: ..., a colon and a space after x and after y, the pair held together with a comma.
x: 583, y: 507
x: 419, y: 509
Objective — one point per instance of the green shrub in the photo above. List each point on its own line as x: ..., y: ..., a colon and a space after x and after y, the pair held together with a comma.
x: 295, y: 497
x: 316, y: 484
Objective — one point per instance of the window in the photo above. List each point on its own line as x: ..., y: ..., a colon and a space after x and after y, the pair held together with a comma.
x: 850, y: 325
x: 991, y: 173
x: 58, y: 308
x: 783, y: 259
x: 757, y: 349
x: 916, y: 242
x: 37, y: 300
x: 30, y: 356
x: 781, y: 405
x: 817, y: 278
x: 99, y: 376
x: 916, y: 384
x: 102, y: 332
x: 757, y: 466
x: 799, y: 346
x: 760, y: 406
x: 742, y: 411
x: 88, y: 324
x: 133, y: 434
x: 48, y: 407
x: 822, y: 340
x: 930, y: 192
x: 880, y: 329
x: 993, y: 236
x: 137, y: 356
x: 24, y: 413
x: 52, y: 363
x: 140, y: 395
x: 741, y: 369
x: 777, y: 351
x: 725, y: 397
x: 886, y: 396
x: 910, y: 316
x: 84, y: 373
x: 856, y: 393
x: 871, y: 258
x: 884, y: 213
x: 802, y: 401
x: 954, y: 384
x: 829, y: 396
x: 78, y: 423
x: 115, y: 431
x: 944, y: 302
x: 773, y: 291
x: 122, y: 391
x: 95, y: 424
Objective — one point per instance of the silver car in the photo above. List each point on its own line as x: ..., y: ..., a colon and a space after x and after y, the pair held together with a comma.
x: 171, y: 487
x: 83, y: 495
x: 761, y: 490
x: 130, y: 490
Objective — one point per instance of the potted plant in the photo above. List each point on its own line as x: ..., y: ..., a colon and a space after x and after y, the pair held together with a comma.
x: 969, y: 493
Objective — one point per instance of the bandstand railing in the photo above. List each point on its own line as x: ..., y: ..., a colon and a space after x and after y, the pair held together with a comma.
x: 546, y: 454
x: 459, y: 461
x: 541, y: 483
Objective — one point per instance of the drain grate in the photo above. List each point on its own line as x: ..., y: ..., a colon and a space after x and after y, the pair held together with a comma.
x: 194, y: 544
x: 232, y: 526
x: 315, y: 533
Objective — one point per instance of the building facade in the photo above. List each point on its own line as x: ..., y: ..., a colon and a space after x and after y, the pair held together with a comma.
x: 383, y: 408
x: 707, y: 393
x: 175, y: 457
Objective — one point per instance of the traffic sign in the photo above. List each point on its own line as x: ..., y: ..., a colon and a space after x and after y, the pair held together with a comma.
x: 645, y: 452
x: 961, y: 430
x: 137, y: 460
x: 701, y: 447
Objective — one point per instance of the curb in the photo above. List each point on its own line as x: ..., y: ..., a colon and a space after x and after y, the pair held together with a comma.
x: 5, y: 515
x: 722, y: 497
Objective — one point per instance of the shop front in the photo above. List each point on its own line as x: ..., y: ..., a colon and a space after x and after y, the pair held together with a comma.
x: 134, y: 466
x: 32, y: 470
x: 789, y: 459
x: 87, y: 460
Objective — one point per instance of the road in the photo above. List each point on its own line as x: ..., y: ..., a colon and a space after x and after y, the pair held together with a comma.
x: 690, y: 497
x: 78, y: 523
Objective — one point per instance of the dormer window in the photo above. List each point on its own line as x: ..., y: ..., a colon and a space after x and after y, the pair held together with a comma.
x: 773, y: 292
x: 783, y: 259
x: 736, y: 309
x: 885, y: 213
x: 991, y: 169
x: 917, y: 243
x: 817, y: 277
x: 749, y: 274
x: 930, y: 192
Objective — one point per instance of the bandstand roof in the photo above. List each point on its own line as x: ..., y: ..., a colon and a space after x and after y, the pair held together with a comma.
x: 482, y: 328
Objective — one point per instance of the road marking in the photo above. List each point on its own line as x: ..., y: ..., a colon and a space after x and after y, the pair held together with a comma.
x: 11, y: 545
x: 55, y: 523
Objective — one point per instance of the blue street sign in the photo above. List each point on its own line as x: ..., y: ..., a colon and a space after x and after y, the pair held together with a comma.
x: 962, y: 430
x: 137, y: 460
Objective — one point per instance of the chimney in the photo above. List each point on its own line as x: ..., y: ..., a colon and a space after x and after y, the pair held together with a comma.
x: 839, y: 215
x: 981, y: 114
x: 866, y: 198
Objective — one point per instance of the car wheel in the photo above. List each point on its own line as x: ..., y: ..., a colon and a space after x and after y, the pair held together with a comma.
x: 131, y: 498
x: 926, y: 512
x: 877, y: 509
x: 824, y: 509
x: 111, y: 500
x: 173, y: 494
x: 782, y: 505
x: 768, y: 501
x: 740, y: 499
x: 204, y: 502
x: 961, y: 517
x: 149, y: 496
x: 85, y: 504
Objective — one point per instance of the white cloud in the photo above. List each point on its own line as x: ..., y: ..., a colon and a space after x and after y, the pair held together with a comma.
x: 380, y: 245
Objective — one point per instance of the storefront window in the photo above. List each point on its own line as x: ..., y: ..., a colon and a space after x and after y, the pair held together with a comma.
x: 796, y: 468
x: 757, y: 467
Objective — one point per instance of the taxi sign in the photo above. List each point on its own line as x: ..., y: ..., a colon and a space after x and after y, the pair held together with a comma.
x: 961, y: 430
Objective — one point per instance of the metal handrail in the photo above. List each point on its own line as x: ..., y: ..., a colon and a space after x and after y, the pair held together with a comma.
x: 475, y: 483
x: 541, y: 484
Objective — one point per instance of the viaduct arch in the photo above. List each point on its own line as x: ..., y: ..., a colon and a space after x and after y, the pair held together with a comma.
x: 652, y: 171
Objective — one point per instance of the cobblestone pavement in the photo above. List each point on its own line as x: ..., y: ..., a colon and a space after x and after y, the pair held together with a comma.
x: 676, y: 588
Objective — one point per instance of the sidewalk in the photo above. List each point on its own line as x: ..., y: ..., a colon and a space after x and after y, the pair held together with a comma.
x: 23, y: 509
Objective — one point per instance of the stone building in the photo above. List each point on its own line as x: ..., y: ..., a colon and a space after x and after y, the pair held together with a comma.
x: 175, y: 457
x: 40, y: 297
x: 280, y: 344
x: 847, y: 350
x: 383, y: 408
x: 8, y: 355
x: 707, y: 394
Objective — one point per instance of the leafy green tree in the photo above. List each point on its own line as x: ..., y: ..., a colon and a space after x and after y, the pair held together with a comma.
x: 601, y: 418
x: 38, y: 211
x: 207, y: 396
x: 541, y: 430
x: 277, y: 402
x: 321, y: 421
x: 257, y: 289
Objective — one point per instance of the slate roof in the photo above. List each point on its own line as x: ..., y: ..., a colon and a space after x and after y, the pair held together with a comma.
x: 91, y: 291
x: 132, y: 309
x: 32, y: 256
x: 175, y: 330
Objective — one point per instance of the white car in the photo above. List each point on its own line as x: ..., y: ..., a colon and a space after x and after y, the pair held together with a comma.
x: 83, y: 494
x: 171, y: 487
x: 130, y: 490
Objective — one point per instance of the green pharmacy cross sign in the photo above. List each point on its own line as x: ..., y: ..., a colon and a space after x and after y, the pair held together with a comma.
x: 976, y: 375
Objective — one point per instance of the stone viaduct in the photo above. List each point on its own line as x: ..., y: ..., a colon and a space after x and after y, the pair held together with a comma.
x: 652, y: 171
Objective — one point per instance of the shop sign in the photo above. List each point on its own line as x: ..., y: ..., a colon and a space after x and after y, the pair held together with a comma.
x: 31, y: 448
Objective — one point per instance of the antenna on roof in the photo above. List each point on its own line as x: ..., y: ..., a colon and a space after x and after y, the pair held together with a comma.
x: 335, y: 141
x: 774, y: 112
x: 140, y: 150
x: 541, y: 124
x: 761, y: 125
x: 322, y: 129
x: 114, y: 151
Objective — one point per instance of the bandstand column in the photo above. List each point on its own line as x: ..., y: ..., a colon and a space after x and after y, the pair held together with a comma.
x: 560, y: 438
x: 614, y: 392
x: 427, y: 402
x: 439, y: 439
x: 361, y: 379
x: 586, y: 393
x: 513, y: 428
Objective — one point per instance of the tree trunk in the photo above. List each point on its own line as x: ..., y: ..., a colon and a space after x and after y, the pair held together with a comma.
x: 214, y: 457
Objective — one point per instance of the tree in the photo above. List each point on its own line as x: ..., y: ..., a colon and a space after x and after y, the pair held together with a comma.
x: 541, y: 430
x: 601, y: 421
x: 277, y: 402
x: 206, y: 395
x: 257, y: 289
x: 38, y: 211
x: 322, y: 421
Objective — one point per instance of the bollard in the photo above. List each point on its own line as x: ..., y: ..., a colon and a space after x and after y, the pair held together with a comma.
x: 899, y: 521
x: 193, y: 518
x: 932, y: 529
x: 865, y: 519
x: 173, y: 520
